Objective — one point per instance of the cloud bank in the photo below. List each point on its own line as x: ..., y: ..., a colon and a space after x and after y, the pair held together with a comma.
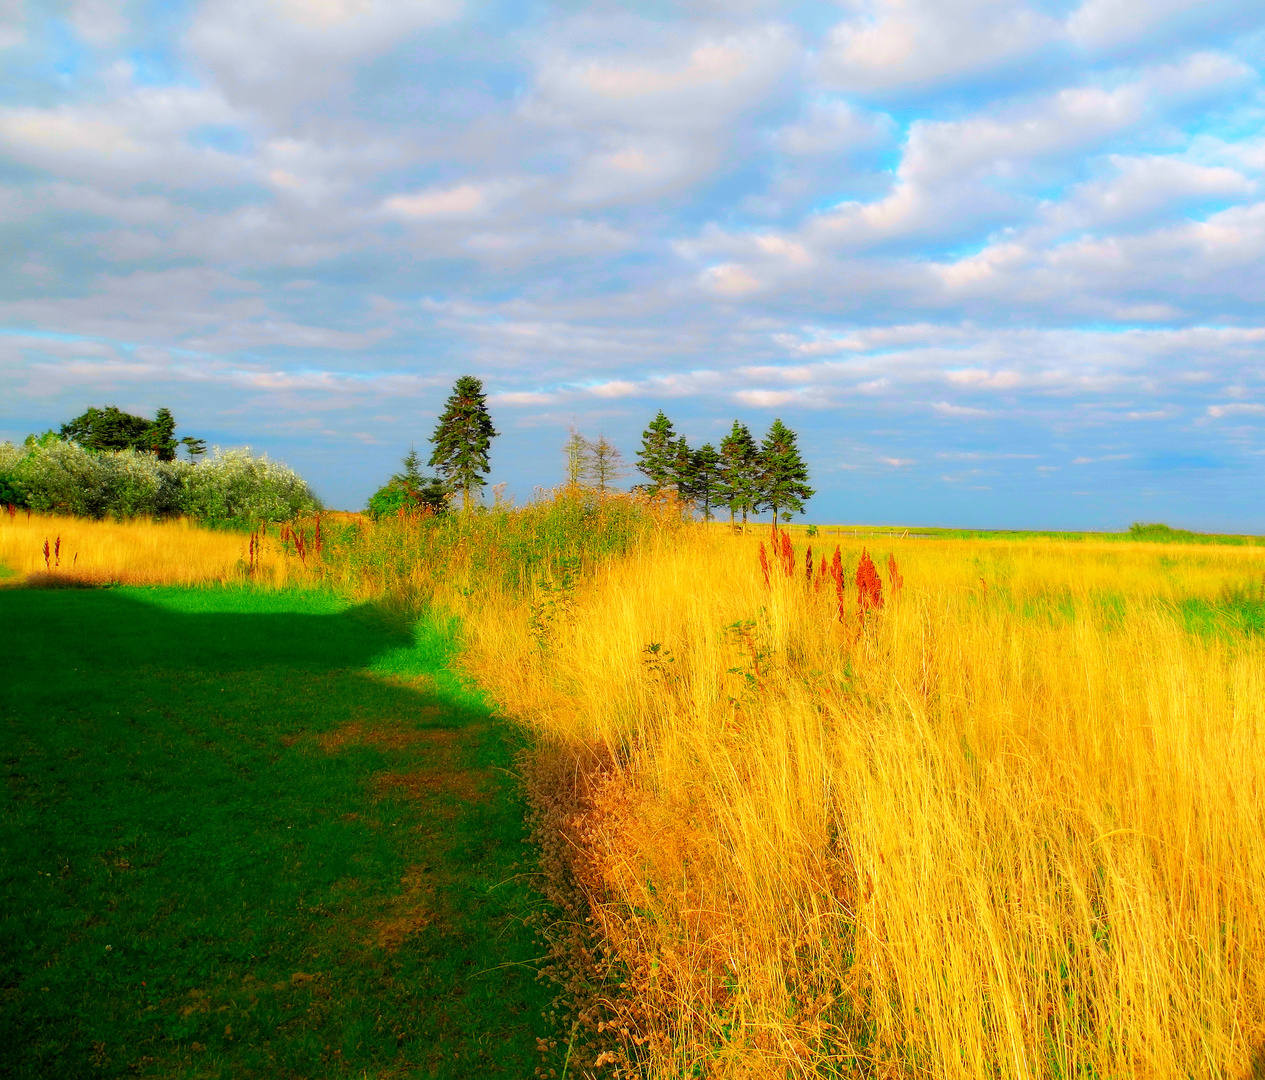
x: 999, y: 263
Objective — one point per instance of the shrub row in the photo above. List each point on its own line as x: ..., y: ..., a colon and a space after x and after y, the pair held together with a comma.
x: 54, y: 476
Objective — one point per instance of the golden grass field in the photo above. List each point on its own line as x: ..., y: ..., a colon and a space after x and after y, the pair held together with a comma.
x: 1013, y: 825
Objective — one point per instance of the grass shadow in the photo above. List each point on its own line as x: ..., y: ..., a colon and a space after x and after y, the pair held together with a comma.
x: 252, y: 834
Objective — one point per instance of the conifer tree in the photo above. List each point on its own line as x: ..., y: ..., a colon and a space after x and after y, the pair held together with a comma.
x: 739, y: 461
x: 578, y: 452
x: 160, y: 438
x: 783, y: 474
x: 705, y: 463
x: 462, y: 440
x: 658, y: 454
x: 682, y: 470
x: 606, y: 463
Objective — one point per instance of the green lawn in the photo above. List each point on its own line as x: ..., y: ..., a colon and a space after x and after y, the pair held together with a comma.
x: 250, y: 834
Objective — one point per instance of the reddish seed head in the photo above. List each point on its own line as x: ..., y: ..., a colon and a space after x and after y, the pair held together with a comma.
x: 764, y: 562
x: 894, y: 576
x: 788, y: 555
x: 869, y: 587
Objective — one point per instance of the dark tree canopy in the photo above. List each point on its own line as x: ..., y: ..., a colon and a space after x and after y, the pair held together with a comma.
x: 783, y: 474
x: 463, y: 440
x: 108, y: 429
x: 739, y: 472
x: 657, y: 458
x: 112, y: 429
x: 705, y: 488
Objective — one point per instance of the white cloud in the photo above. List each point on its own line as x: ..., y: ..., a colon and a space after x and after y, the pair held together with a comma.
x: 680, y: 90
x: 98, y: 22
x: 945, y: 408
x: 832, y: 127
x: 634, y: 168
x: 295, y: 47
x: 899, y: 44
x: 460, y: 202
x: 1106, y: 23
x: 12, y: 23
x: 729, y: 280
x: 1237, y: 408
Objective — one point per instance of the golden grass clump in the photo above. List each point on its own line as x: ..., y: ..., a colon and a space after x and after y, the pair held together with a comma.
x: 1011, y: 824
x: 81, y: 551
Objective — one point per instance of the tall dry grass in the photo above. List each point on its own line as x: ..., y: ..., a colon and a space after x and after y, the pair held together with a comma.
x: 141, y: 552
x: 1012, y: 826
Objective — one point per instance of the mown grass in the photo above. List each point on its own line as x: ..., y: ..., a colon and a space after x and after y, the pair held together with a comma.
x: 254, y: 834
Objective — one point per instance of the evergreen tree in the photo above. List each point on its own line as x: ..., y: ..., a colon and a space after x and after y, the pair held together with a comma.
x: 161, y: 436
x: 606, y: 463
x: 579, y: 456
x: 706, y: 478
x: 462, y: 440
x: 681, y: 475
x: 196, y: 447
x: 108, y: 429
x: 658, y: 454
x: 783, y: 474
x: 739, y: 465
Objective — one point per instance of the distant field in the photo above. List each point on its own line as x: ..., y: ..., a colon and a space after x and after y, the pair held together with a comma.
x: 1147, y: 534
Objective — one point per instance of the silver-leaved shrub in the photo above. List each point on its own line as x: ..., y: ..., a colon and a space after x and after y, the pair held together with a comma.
x: 61, y: 477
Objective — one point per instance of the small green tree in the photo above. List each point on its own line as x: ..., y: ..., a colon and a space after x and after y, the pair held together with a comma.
x: 463, y: 439
x: 606, y: 463
x: 739, y: 470
x: 578, y: 452
x: 657, y: 456
x: 196, y: 447
x: 409, y: 490
x: 705, y: 486
x: 783, y: 474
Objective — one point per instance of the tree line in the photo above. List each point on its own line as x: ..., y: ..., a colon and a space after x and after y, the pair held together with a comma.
x: 742, y: 476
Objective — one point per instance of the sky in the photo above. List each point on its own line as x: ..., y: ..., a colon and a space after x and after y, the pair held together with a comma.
x: 998, y: 263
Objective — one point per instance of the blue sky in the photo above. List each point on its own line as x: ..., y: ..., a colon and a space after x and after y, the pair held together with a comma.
x: 998, y: 263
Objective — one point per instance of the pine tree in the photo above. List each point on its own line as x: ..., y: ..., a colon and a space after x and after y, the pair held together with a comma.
x: 706, y: 485
x: 658, y: 453
x: 160, y: 438
x: 462, y: 440
x: 682, y: 470
x: 783, y: 474
x: 196, y: 447
x: 606, y: 463
x: 739, y: 460
x: 579, y: 457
